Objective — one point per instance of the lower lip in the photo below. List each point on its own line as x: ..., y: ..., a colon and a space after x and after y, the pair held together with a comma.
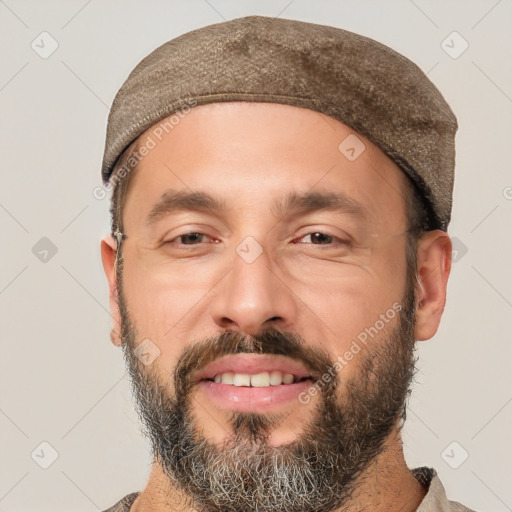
x: 249, y: 399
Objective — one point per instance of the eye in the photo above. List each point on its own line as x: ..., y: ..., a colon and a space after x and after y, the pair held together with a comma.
x: 318, y: 236
x: 188, y: 239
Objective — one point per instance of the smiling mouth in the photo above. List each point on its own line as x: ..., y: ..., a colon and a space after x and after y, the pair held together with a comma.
x: 254, y: 370
x: 253, y: 383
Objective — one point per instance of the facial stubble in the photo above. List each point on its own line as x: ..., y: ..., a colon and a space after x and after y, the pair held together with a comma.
x: 320, y: 470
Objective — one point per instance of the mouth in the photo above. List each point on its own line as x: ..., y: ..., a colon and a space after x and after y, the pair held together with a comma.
x: 252, y: 382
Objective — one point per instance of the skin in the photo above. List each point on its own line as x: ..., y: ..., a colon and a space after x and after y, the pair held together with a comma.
x: 249, y: 154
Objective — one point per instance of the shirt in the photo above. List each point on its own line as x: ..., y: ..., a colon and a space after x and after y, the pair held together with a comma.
x: 434, y: 501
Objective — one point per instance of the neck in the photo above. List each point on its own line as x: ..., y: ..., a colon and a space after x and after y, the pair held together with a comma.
x: 386, y: 485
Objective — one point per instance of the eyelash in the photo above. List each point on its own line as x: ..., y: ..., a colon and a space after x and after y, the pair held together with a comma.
x: 328, y: 246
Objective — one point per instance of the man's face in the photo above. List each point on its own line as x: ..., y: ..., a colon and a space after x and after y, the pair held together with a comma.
x: 253, y: 306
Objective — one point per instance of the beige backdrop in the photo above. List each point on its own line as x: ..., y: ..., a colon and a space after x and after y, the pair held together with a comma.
x: 63, y: 384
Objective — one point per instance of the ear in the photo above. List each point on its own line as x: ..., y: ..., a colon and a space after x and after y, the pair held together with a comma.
x: 108, y: 257
x: 434, y: 257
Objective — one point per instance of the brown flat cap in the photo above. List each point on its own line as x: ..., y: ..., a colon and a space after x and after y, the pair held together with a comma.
x: 368, y: 86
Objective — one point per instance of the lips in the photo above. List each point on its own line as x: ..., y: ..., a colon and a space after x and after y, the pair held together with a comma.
x: 253, y: 382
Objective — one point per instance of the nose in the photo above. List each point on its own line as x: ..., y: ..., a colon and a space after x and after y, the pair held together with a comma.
x: 252, y: 297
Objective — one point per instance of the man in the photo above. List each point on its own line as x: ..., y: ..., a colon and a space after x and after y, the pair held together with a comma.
x: 281, y: 195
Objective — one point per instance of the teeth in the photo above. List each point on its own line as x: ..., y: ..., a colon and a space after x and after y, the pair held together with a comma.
x: 228, y: 378
x: 287, y: 378
x: 242, y: 379
x: 259, y: 380
x: 276, y: 378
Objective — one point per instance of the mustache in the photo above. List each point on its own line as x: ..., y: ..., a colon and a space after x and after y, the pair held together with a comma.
x: 271, y: 341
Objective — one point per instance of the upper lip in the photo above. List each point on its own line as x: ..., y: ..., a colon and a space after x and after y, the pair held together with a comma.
x: 252, y: 364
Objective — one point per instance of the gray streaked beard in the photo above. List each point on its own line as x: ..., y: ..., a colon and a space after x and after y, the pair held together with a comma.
x: 318, y: 472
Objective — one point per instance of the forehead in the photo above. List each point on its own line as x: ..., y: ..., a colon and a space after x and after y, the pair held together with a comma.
x: 251, y: 154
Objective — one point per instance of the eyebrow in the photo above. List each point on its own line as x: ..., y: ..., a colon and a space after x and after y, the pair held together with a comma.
x: 294, y: 203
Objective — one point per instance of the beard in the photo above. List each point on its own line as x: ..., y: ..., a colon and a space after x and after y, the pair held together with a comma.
x: 322, y: 468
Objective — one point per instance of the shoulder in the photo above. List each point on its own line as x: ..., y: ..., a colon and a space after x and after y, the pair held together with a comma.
x: 435, y: 500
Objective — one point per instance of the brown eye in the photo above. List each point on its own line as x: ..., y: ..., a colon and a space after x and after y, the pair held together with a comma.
x: 187, y: 239
x: 319, y: 238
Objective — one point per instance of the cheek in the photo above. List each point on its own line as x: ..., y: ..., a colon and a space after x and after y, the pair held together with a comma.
x: 164, y: 303
x: 352, y: 305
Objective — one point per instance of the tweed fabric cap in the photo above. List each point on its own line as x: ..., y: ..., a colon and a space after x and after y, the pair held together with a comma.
x: 376, y: 91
